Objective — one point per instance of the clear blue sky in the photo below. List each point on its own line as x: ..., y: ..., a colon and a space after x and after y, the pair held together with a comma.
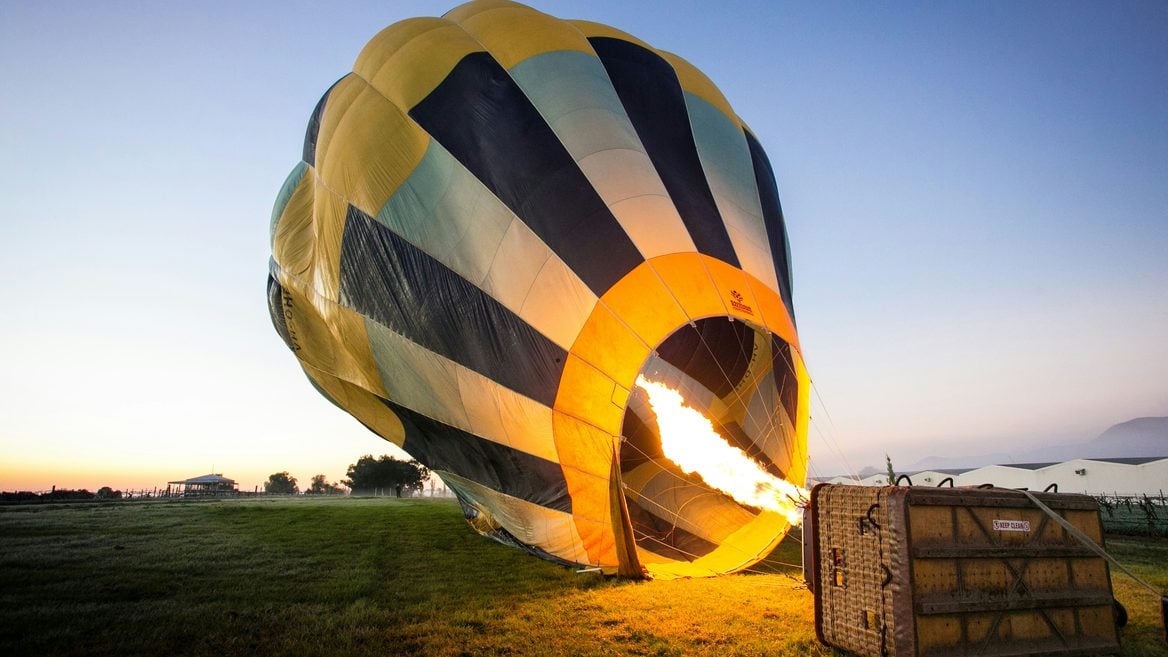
x: 976, y: 194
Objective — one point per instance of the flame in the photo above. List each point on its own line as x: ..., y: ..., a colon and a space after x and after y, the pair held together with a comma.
x: 689, y: 440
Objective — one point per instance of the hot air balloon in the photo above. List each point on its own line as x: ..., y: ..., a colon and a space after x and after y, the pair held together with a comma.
x: 501, y: 221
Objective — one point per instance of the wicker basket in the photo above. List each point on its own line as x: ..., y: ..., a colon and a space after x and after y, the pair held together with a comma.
x: 927, y: 572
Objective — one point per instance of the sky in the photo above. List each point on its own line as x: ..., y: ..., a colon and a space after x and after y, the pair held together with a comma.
x: 976, y: 195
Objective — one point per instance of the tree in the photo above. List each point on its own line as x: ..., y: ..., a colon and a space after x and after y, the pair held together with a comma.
x: 321, y: 486
x: 281, y: 483
x: 891, y: 472
x: 369, y: 475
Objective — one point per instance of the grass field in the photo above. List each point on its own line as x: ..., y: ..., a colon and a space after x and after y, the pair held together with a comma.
x: 384, y: 577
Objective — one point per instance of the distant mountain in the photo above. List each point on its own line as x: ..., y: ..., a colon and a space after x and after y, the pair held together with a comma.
x: 946, y: 462
x: 1144, y: 436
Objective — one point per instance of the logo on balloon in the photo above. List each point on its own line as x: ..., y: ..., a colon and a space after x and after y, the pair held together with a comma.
x: 736, y: 302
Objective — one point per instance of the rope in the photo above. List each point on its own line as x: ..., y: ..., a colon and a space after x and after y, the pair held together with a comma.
x: 833, y: 444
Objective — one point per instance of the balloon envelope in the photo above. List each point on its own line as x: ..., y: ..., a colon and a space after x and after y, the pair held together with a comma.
x: 500, y: 220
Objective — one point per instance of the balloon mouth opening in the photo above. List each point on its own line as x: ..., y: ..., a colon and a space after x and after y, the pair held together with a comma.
x: 742, y: 379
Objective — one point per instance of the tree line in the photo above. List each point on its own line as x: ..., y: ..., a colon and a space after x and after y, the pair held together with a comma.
x: 368, y: 475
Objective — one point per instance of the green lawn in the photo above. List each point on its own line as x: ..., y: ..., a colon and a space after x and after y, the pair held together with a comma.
x: 382, y: 577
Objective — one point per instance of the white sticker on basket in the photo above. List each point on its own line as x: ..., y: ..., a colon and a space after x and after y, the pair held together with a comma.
x: 1011, y: 525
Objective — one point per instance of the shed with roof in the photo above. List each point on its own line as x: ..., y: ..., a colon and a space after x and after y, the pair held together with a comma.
x: 214, y: 484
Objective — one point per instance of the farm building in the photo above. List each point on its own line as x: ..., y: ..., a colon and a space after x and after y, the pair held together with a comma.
x: 1112, y: 476
x: 205, y: 485
x: 921, y: 478
x: 870, y: 480
x: 937, y: 477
